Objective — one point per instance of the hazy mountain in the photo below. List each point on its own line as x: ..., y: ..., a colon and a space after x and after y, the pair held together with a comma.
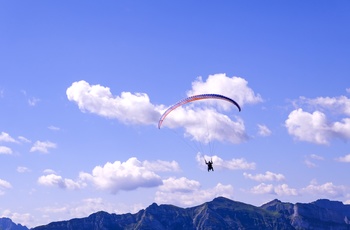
x: 7, y: 224
x: 221, y: 213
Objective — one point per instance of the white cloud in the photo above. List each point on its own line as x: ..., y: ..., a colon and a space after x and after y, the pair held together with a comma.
x: 206, y: 124
x: 127, y: 108
x: 268, y: 176
x: 327, y: 189
x: 54, y: 128
x: 232, y: 87
x: 284, y: 190
x: 317, y: 127
x: 182, y: 185
x: 263, y: 189
x: 4, y: 185
x: 49, y: 171
x: 23, y: 139
x: 339, y: 105
x: 5, y: 150
x: 87, y: 206
x: 83, y: 208
x: 308, y: 127
x: 185, y: 192
x: 22, y: 169
x: 54, y: 180
x: 316, y: 157
x: 161, y: 166
x: 342, y: 128
x: 42, y: 146
x: 344, y: 159
x: 25, y: 219
x: 280, y: 190
x: 264, y: 130
x: 310, y: 161
x: 220, y: 164
x: 128, y: 175
x: 5, y: 137
x: 33, y: 101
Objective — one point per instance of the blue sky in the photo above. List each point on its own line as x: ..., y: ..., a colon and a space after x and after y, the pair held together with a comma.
x: 83, y: 84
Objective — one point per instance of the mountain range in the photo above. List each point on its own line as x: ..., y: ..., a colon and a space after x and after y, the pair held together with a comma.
x: 221, y: 213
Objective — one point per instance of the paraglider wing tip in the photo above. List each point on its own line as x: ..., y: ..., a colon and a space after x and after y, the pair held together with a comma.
x: 160, y: 123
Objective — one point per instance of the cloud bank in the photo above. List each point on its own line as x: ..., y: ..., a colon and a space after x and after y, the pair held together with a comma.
x: 196, y: 119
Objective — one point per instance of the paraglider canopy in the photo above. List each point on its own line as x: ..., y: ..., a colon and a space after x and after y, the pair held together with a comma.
x: 195, y: 98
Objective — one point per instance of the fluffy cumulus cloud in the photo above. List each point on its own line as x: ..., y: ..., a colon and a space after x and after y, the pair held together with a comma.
x: 285, y: 190
x: 197, y: 119
x: 280, y: 190
x: 54, y: 180
x: 186, y: 192
x: 268, y: 176
x: 5, y: 150
x: 42, y: 146
x: 220, y: 164
x: 207, y: 124
x: 127, y: 107
x: 233, y: 87
x: 327, y: 189
x: 128, y: 175
x: 317, y: 126
x: 204, y: 121
x: 345, y: 159
x: 337, y: 104
x: 312, y: 127
x: 182, y: 185
x: 5, y: 137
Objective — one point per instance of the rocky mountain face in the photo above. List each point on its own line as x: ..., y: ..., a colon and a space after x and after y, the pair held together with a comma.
x: 221, y: 213
x: 321, y: 214
x: 7, y: 224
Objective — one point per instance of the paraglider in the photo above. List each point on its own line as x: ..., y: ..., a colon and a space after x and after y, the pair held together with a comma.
x: 210, y: 164
x: 195, y: 98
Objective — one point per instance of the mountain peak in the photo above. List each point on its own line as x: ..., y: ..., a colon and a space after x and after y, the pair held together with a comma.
x: 272, y: 202
x: 6, y: 223
x: 221, y: 199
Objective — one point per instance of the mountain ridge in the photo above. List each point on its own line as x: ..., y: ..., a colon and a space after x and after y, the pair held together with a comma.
x: 220, y: 213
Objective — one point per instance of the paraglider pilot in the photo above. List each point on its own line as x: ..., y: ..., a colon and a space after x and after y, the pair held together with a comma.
x: 210, y: 165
